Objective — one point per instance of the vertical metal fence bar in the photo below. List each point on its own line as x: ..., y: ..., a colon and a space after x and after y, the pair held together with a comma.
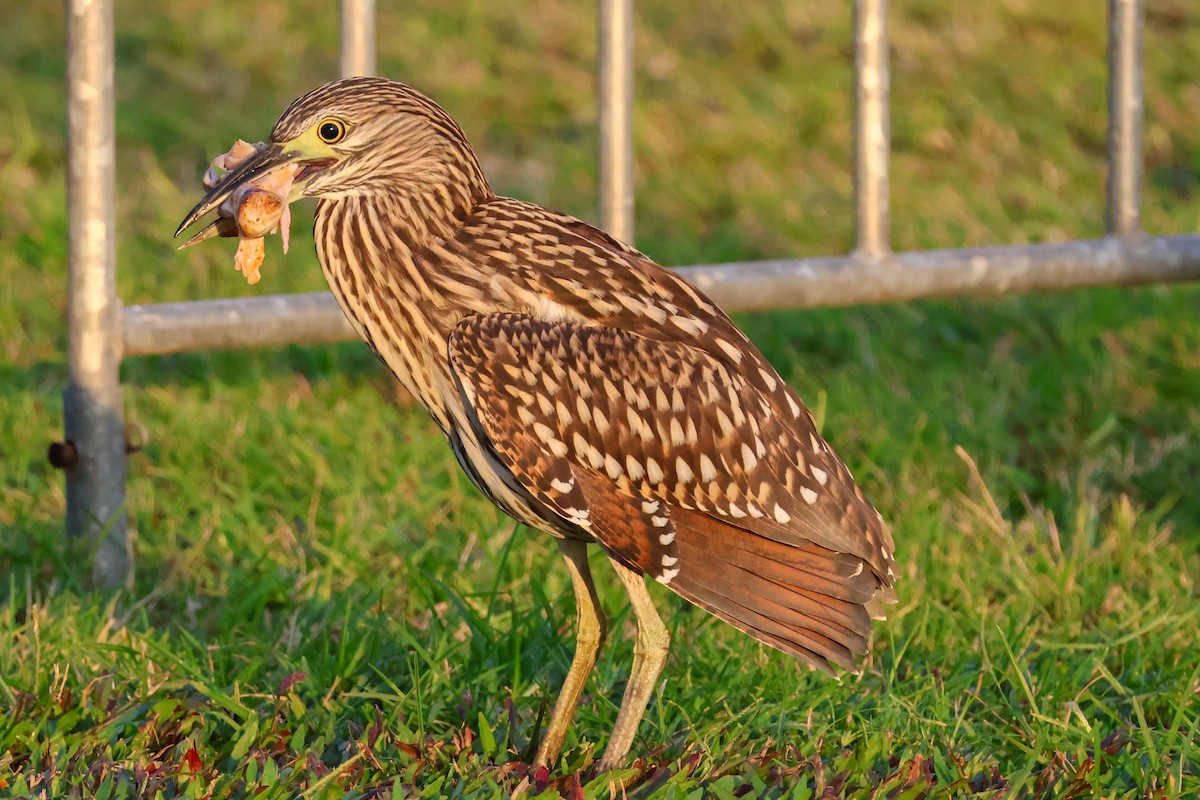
x: 358, y: 38
x: 871, y: 134
x: 615, y: 79
x: 1125, y: 18
x: 95, y: 446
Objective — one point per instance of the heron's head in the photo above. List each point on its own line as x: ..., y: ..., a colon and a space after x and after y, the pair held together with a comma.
x: 363, y: 136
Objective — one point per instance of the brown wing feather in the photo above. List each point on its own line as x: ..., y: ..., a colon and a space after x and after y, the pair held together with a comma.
x: 735, y: 524
x: 665, y: 420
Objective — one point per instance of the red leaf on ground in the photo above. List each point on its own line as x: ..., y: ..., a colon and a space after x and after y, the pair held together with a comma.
x: 287, y: 683
x: 316, y: 765
x: 191, y: 760
x: 376, y: 728
x: 1116, y: 741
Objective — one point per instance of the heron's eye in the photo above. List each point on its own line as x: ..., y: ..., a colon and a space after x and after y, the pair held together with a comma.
x: 331, y: 131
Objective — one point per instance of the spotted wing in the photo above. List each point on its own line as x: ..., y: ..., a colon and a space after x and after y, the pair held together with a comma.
x: 685, y: 468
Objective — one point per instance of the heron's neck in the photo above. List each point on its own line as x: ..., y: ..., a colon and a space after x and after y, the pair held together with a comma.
x: 377, y: 251
x: 423, y: 210
x: 372, y: 245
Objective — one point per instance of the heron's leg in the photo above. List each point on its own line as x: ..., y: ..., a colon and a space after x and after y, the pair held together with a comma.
x: 649, y: 655
x: 587, y: 647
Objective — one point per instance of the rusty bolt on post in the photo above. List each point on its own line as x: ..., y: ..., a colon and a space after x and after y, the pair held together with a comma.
x: 63, y: 455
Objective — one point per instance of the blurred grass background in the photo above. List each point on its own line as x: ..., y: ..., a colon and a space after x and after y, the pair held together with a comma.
x: 1037, y: 456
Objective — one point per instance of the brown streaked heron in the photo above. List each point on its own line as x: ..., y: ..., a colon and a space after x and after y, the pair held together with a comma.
x: 587, y: 391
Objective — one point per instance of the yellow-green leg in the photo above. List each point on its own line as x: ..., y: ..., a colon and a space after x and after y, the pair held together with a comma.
x: 649, y: 655
x: 587, y: 646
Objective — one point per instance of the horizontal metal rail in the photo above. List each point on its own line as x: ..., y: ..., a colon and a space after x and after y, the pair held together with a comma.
x: 982, y: 271
x: 746, y: 286
x: 233, y: 323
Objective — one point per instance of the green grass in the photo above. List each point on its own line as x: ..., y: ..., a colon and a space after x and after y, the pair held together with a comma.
x: 325, y: 608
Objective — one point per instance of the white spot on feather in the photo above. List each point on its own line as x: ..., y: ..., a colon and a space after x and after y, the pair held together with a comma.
x: 730, y: 350
x: 665, y: 539
x: 581, y: 407
x: 696, y: 327
x: 577, y: 383
x: 683, y: 472
x: 655, y: 313
x: 561, y: 486
x: 821, y: 475
x: 579, y: 516
x: 669, y: 561
x: 748, y: 457
x: 667, y: 576
x: 808, y: 494
x: 564, y: 414
x: 595, y: 457
x: 781, y: 516
x: 724, y: 423
x: 677, y: 437
x: 581, y: 446
x: 708, y: 472
x: 612, y: 467
x: 634, y: 468
x: 634, y: 304
x: 653, y: 471
x: 792, y: 404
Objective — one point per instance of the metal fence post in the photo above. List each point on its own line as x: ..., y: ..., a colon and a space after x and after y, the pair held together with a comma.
x: 94, y: 452
x: 615, y: 95
x: 871, y: 132
x: 1124, y: 187
x: 358, y: 38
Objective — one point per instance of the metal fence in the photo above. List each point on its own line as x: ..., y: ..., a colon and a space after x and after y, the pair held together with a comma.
x: 103, y: 331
